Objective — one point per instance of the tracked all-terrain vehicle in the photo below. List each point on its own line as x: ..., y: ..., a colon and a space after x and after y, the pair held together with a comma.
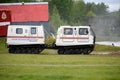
x: 75, y: 39
x: 25, y: 39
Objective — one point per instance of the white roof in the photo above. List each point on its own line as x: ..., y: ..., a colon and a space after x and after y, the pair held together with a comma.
x: 75, y: 26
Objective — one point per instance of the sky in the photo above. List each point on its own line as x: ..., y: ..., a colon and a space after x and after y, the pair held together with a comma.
x: 114, y: 5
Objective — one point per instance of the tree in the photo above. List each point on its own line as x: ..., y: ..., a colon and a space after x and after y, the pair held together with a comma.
x: 78, y: 13
x: 101, y: 9
x: 91, y: 14
x: 55, y: 20
x: 63, y: 7
x: 98, y: 9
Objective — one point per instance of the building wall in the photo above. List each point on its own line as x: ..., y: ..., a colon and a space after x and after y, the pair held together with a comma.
x: 27, y: 14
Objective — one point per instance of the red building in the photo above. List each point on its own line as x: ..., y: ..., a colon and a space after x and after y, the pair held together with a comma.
x: 5, y: 20
x: 27, y: 13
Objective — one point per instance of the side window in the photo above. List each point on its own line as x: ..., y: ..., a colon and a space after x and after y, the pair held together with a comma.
x: 19, y: 30
x: 33, y: 30
x: 83, y: 31
x: 68, y: 31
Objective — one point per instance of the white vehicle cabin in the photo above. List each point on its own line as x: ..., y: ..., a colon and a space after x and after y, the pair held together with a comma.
x: 75, y: 39
x: 25, y: 38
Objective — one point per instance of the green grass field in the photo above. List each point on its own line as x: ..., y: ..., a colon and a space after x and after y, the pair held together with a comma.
x: 59, y: 67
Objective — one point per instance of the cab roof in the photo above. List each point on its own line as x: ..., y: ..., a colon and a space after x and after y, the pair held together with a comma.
x: 74, y: 26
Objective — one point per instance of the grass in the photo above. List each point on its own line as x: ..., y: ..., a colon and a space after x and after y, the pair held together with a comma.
x: 60, y: 73
x: 3, y: 46
x: 36, y: 67
x: 59, y: 67
x: 106, y: 48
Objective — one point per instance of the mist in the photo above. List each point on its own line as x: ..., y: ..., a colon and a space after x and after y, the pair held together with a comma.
x: 106, y: 27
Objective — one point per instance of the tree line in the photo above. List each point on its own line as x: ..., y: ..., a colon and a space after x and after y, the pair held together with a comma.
x: 73, y: 12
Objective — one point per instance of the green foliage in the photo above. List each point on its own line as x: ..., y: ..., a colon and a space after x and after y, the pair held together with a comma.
x: 49, y: 40
x: 78, y: 13
x: 98, y: 9
x: 63, y: 6
x: 91, y: 14
x: 55, y: 20
x: 73, y: 12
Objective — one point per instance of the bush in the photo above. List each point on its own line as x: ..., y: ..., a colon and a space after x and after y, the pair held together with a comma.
x: 49, y: 40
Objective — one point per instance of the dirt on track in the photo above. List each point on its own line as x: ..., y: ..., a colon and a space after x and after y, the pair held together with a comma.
x: 113, y: 53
